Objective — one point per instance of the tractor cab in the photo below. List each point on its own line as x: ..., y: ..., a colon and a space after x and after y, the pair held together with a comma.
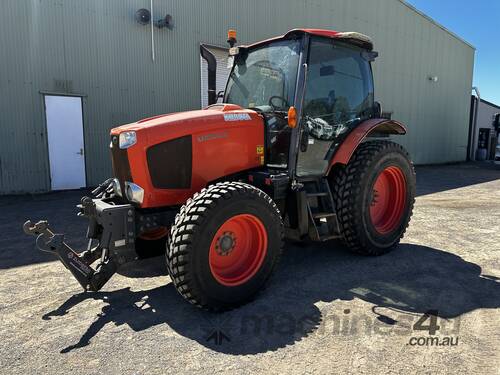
x: 323, y: 80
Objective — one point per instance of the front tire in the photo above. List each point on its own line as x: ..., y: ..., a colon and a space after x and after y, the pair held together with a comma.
x: 374, y: 197
x: 224, y: 245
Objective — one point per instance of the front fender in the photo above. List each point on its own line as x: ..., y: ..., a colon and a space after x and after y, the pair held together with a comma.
x: 360, y: 132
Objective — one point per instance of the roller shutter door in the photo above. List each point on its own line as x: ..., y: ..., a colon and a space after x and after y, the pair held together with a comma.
x: 222, y: 73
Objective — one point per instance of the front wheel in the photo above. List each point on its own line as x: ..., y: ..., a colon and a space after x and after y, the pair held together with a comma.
x: 224, y: 245
x: 374, y: 196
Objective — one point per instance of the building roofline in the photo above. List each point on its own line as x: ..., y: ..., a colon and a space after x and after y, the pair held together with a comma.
x: 490, y: 103
x: 432, y: 20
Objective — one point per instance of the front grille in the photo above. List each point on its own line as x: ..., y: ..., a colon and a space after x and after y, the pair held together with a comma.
x: 170, y: 163
x: 119, y: 160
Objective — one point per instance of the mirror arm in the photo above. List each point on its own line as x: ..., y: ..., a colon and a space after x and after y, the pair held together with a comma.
x: 304, y: 138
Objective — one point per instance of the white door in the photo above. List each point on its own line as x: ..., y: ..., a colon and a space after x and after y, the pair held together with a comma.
x: 65, y: 138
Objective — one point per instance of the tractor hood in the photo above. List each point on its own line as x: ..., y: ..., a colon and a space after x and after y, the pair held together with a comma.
x: 172, y: 125
x: 175, y: 155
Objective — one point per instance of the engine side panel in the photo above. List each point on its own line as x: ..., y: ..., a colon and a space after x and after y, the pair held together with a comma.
x: 225, y: 139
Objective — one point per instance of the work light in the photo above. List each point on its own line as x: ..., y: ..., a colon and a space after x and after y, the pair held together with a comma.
x: 134, y: 192
x: 127, y: 139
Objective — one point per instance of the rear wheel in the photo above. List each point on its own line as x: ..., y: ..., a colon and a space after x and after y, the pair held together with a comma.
x: 224, y: 245
x: 374, y: 196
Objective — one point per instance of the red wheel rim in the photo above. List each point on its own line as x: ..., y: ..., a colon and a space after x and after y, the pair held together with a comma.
x: 388, y: 200
x: 238, y: 250
x: 154, y: 234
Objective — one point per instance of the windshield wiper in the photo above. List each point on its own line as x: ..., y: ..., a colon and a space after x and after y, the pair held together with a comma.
x: 270, y: 110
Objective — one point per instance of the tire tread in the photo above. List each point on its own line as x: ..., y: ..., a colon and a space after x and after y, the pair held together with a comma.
x: 346, y: 191
x: 187, y: 225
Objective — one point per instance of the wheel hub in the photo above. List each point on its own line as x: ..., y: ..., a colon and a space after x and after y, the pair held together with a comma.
x: 375, y: 197
x: 225, y: 244
x: 388, y: 200
x: 238, y: 250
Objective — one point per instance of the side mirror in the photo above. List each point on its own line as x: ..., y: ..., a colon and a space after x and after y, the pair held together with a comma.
x: 377, y: 110
x: 220, y: 94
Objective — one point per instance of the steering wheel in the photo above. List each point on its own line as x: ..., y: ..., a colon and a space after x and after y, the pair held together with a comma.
x: 283, y: 101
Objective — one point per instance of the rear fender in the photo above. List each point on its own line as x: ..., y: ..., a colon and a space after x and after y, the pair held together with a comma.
x: 363, y: 130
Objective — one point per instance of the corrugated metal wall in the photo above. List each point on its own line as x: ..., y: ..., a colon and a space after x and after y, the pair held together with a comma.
x: 95, y: 48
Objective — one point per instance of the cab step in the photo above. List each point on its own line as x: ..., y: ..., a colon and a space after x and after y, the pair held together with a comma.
x: 323, y: 224
x: 317, y: 194
x: 322, y: 215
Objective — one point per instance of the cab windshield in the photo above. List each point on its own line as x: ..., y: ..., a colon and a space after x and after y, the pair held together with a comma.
x: 265, y: 77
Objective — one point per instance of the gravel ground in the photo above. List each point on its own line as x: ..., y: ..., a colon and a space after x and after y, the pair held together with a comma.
x: 326, y: 311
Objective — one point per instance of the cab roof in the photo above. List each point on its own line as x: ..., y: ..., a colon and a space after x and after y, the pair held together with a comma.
x: 353, y: 37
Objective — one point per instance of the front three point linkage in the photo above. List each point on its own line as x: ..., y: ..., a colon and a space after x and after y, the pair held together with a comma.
x: 78, y: 264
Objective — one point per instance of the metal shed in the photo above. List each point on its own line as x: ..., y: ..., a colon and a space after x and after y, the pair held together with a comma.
x: 96, y: 51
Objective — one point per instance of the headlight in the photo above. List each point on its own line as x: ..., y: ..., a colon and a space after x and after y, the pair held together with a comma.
x: 117, y: 188
x: 134, y: 192
x: 127, y: 139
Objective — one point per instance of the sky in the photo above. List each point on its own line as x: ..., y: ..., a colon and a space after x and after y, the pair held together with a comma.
x: 478, y: 22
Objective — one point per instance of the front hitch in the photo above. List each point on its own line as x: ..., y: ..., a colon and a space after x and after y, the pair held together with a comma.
x: 79, y: 265
x: 111, y: 225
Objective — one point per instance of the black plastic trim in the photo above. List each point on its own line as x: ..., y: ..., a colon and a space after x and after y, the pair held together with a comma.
x: 170, y: 163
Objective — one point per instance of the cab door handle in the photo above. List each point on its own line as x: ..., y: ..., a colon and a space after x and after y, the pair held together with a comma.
x: 81, y: 152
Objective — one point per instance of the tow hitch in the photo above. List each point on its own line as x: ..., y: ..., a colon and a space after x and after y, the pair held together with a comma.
x: 111, y: 225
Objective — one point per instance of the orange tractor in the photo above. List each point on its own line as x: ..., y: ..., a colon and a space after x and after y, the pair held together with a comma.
x: 297, y: 149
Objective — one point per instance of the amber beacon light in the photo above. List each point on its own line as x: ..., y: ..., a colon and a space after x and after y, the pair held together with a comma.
x: 231, y: 37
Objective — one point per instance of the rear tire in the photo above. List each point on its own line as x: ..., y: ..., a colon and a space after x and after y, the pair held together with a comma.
x: 224, y: 245
x: 374, y: 197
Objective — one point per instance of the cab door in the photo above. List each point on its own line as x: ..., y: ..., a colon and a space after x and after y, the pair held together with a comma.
x: 338, y: 96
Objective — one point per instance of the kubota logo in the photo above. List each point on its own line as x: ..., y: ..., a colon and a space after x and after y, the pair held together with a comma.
x: 237, y: 117
x: 211, y: 137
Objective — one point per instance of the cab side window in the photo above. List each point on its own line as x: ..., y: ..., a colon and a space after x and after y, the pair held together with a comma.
x: 339, y: 95
x: 338, y: 88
